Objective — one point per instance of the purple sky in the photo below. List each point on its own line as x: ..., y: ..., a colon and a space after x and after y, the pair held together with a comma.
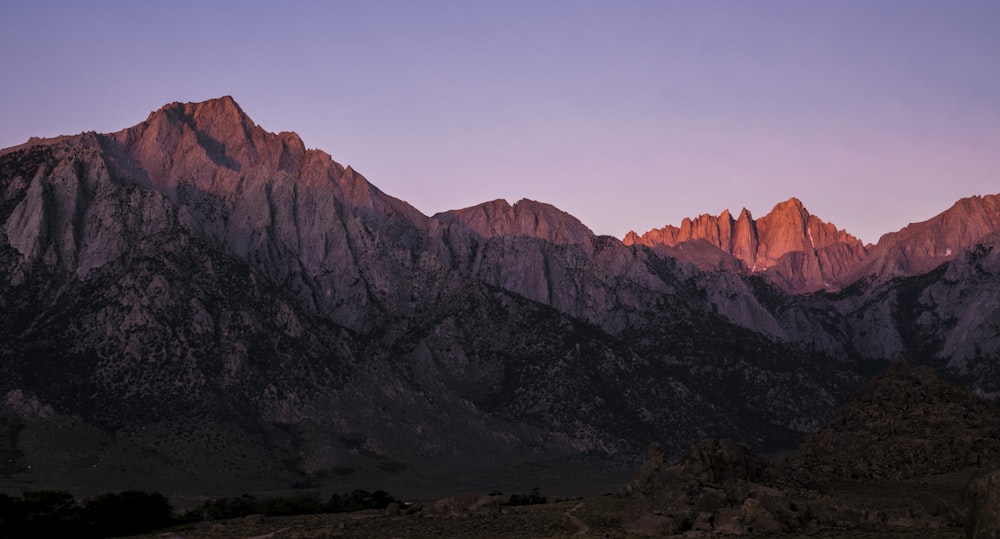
x: 629, y: 115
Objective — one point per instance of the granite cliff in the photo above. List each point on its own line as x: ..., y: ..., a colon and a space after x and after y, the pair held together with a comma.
x: 802, y: 254
x: 797, y: 250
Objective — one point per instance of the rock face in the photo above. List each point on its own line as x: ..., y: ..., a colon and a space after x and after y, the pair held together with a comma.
x: 799, y: 251
x: 524, y: 218
x: 982, y: 519
x: 717, y: 487
x: 905, y: 423
x: 920, y: 247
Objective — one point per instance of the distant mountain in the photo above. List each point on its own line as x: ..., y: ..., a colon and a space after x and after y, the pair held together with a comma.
x: 799, y: 251
x: 921, y: 247
x: 524, y: 218
x: 802, y: 254
x: 196, y: 304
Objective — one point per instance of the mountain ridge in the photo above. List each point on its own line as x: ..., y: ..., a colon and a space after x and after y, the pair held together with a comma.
x: 803, y: 254
x: 195, y: 262
x: 524, y: 218
x: 213, y: 123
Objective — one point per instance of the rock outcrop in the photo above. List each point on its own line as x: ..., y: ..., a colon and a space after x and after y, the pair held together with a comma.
x: 905, y: 423
x: 868, y: 470
x: 982, y: 520
x: 722, y: 488
x: 717, y: 487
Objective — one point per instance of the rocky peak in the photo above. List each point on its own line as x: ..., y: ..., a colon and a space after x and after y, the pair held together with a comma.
x: 799, y: 251
x: 208, y: 170
x: 219, y: 118
x: 921, y: 247
x: 211, y: 145
x: 523, y: 218
x: 783, y: 230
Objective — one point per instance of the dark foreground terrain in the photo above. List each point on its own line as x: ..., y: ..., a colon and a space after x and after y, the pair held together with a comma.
x: 600, y: 516
x: 909, y: 456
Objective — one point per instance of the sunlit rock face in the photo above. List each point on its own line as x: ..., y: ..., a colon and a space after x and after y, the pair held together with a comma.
x: 524, y: 218
x: 801, y: 253
x: 920, y: 247
x: 796, y: 250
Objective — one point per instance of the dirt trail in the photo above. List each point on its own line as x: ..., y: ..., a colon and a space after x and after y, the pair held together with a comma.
x: 581, y: 526
x: 268, y: 535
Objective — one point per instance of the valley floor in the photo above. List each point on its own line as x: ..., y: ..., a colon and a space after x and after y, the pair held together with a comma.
x: 603, y: 516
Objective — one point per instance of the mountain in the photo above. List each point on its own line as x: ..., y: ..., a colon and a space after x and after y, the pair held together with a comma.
x: 906, y: 422
x: 797, y: 250
x: 198, y: 305
x: 920, y: 247
x: 524, y: 218
x: 202, y: 305
x: 801, y: 253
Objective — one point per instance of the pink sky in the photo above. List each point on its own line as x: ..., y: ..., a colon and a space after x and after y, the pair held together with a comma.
x: 629, y: 115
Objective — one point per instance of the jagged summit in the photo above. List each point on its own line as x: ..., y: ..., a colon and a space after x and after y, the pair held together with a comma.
x: 219, y: 110
x: 177, y: 142
x: 801, y: 252
x: 524, y: 218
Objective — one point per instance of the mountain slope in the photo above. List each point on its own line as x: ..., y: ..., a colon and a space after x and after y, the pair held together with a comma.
x: 920, y: 247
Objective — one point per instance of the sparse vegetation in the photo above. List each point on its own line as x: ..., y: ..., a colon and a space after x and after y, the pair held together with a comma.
x: 298, y: 504
x: 54, y: 513
x: 534, y: 498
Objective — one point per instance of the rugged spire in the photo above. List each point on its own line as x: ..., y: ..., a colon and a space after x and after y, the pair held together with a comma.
x: 799, y: 251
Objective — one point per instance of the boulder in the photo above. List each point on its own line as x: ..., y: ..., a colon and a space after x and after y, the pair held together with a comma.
x: 982, y: 498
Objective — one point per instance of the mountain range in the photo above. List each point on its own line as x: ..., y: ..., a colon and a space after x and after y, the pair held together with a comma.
x: 198, y: 305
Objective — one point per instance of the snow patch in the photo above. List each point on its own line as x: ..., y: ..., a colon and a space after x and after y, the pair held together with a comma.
x: 947, y: 252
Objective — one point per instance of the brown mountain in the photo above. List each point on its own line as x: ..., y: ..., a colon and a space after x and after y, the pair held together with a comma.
x: 797, y: 250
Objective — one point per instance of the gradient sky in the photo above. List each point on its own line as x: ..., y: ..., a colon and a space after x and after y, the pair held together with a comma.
x: 629, y: 115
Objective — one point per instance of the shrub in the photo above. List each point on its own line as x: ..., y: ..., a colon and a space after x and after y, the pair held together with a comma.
x: 128, y: 513
x: 299, y: 504
x: 57, y: 514
x: 527, y: 499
